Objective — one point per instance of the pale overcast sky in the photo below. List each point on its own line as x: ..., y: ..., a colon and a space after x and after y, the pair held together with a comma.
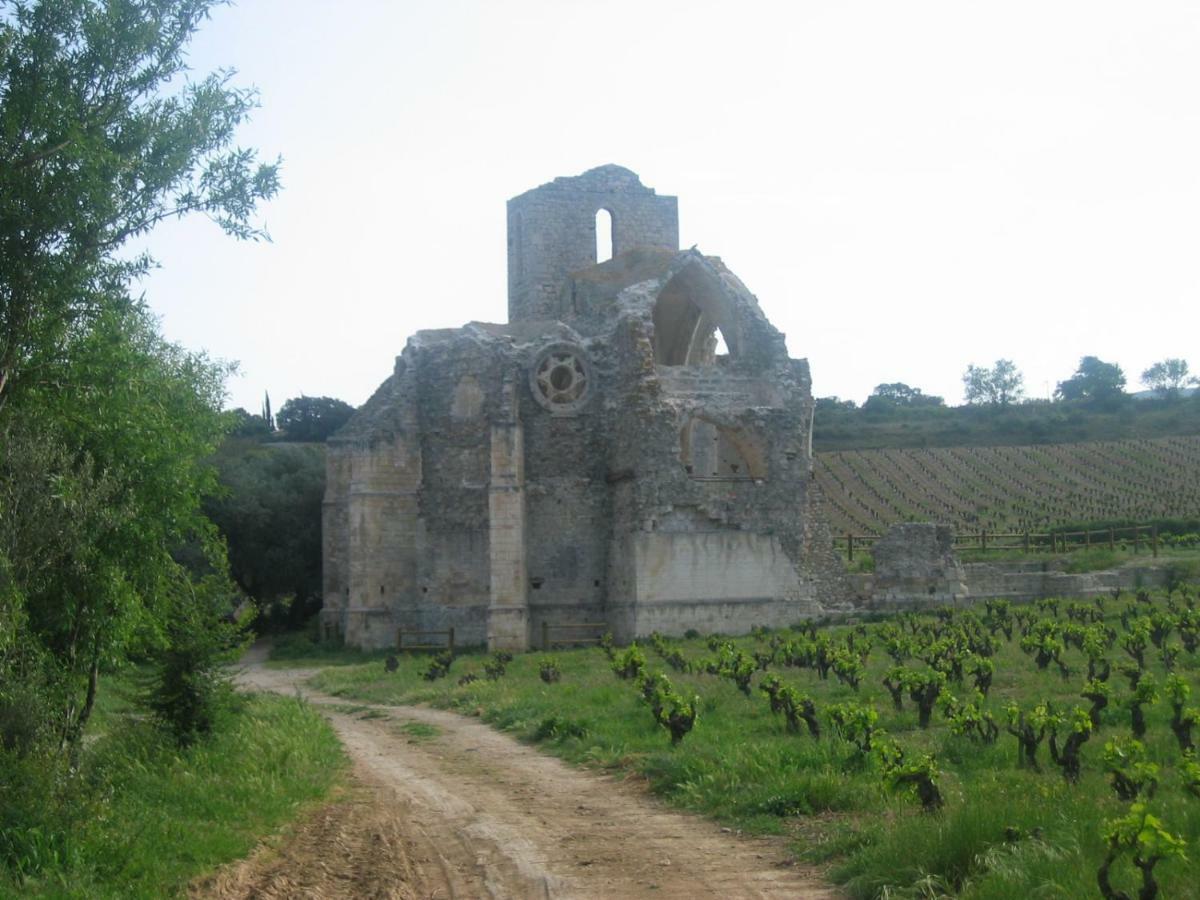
x: 907, y: 187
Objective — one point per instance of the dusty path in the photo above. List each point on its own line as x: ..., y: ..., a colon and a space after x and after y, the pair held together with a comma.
x: 455, y: 809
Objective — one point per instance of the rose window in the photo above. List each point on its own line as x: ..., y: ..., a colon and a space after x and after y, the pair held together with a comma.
x: 560, y: 378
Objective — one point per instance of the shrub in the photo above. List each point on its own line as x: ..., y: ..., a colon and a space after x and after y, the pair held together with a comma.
x: 670, y: 710
x: 190, y: 688
x: 1078, y: 728
x: 1141, y: 836
x: 495, y: 667
x: 920, y: 773
x: 1029, y: 728
x: 1145, y: 694
x: 855, y: 723
x: 923, y: 689
x: 630, y: 663
x: 1131, y: 774
x: 42, y: 805
x: 439, y: 666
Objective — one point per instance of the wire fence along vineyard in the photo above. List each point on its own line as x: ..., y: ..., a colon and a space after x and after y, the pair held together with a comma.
x: 1011, y: 488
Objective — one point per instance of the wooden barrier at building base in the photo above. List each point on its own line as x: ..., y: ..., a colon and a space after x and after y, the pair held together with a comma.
x: 1030, y: 541
x: 548, y: 642
x: 401, y: 633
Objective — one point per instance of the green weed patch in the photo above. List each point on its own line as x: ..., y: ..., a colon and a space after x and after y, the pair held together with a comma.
x: 142, y: 818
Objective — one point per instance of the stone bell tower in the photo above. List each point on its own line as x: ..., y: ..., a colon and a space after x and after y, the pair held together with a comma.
x: 552, y: 232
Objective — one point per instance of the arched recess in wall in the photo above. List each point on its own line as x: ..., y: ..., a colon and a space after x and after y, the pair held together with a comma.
x: 711, y: 449
x: 693, y: 316
x: 606, y: 235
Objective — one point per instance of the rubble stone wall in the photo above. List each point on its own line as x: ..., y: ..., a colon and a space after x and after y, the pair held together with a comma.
x: 552, y: 232
x: 567, y: 468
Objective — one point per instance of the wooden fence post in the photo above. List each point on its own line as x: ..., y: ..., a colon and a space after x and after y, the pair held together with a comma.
x: 1027, y: 542
x: 849, y: 547
x: 982, y: 541
x: 451, y: 636
x: 1112, y: 540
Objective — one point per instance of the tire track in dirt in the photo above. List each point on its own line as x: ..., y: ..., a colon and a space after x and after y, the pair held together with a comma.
x: 477, y: 814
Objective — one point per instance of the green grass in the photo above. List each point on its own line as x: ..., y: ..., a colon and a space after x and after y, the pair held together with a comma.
x: 303, y: 648
x: 143, y: 818
x: 420, y: 730
x: 1004, y: 832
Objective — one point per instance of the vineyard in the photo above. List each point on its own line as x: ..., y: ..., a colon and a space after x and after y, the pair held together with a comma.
x: 1006, y: 751
x: 1011, y: 488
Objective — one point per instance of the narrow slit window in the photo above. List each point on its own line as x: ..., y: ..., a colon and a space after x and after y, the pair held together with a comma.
x: 605, y: 244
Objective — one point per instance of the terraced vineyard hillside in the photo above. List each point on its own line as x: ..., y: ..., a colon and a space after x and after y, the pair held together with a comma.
x: 1011, y: 488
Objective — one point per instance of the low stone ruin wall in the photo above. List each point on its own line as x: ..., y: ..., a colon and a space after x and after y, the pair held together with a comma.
x: 915, y: 567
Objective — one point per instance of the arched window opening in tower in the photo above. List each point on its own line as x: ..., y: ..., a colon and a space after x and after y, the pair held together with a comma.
x: 605, y: 236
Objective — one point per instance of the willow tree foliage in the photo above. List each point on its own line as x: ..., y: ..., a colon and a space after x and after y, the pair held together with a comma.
x: 103, y: 424
x: 103, y: 135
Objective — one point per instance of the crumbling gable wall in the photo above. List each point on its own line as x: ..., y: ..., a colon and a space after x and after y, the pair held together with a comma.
x: 711, y: 537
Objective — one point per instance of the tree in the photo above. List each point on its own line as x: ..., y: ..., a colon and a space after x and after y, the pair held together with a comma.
x: 834, y: 405
x: 248, y: 425
x: 887, y: 397
x: 269, y: 513
x: 102, y: 136
x: 266, y: 411
x: 312, y: 418
x: 1168, y: 378
x: 103, y: 424
x: 1000, y: 385
x: 1095, y: 382
x: 101, y: 484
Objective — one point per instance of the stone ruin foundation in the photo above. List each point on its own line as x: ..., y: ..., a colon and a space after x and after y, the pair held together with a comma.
x: 916, y: 567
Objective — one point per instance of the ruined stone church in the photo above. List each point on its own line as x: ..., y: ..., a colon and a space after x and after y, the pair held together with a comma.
x: 632, y: 448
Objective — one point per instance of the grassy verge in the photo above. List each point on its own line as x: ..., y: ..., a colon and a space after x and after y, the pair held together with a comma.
x: 142, y: 818
x: 303, y: 649
x: 1005, y: 831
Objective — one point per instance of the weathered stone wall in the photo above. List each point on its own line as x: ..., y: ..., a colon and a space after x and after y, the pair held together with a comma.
x: 915, y: 564
x: 594, y: 460
x: 552, y: 233
x: 383, y: 534
x: 335, y: 539
x: 1021, y: 583
x: 719, y: 580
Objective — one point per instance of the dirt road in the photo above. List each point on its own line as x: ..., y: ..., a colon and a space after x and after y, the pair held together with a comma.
x: 443, y: 806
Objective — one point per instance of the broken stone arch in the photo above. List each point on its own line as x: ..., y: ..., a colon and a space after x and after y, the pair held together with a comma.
x: 691, y: 309
x: 709, y: 448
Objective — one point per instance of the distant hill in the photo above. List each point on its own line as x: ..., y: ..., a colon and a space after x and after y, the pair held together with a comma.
x: 1038, y: 422
x: 1012, y: 488
x: 1154, y: 395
